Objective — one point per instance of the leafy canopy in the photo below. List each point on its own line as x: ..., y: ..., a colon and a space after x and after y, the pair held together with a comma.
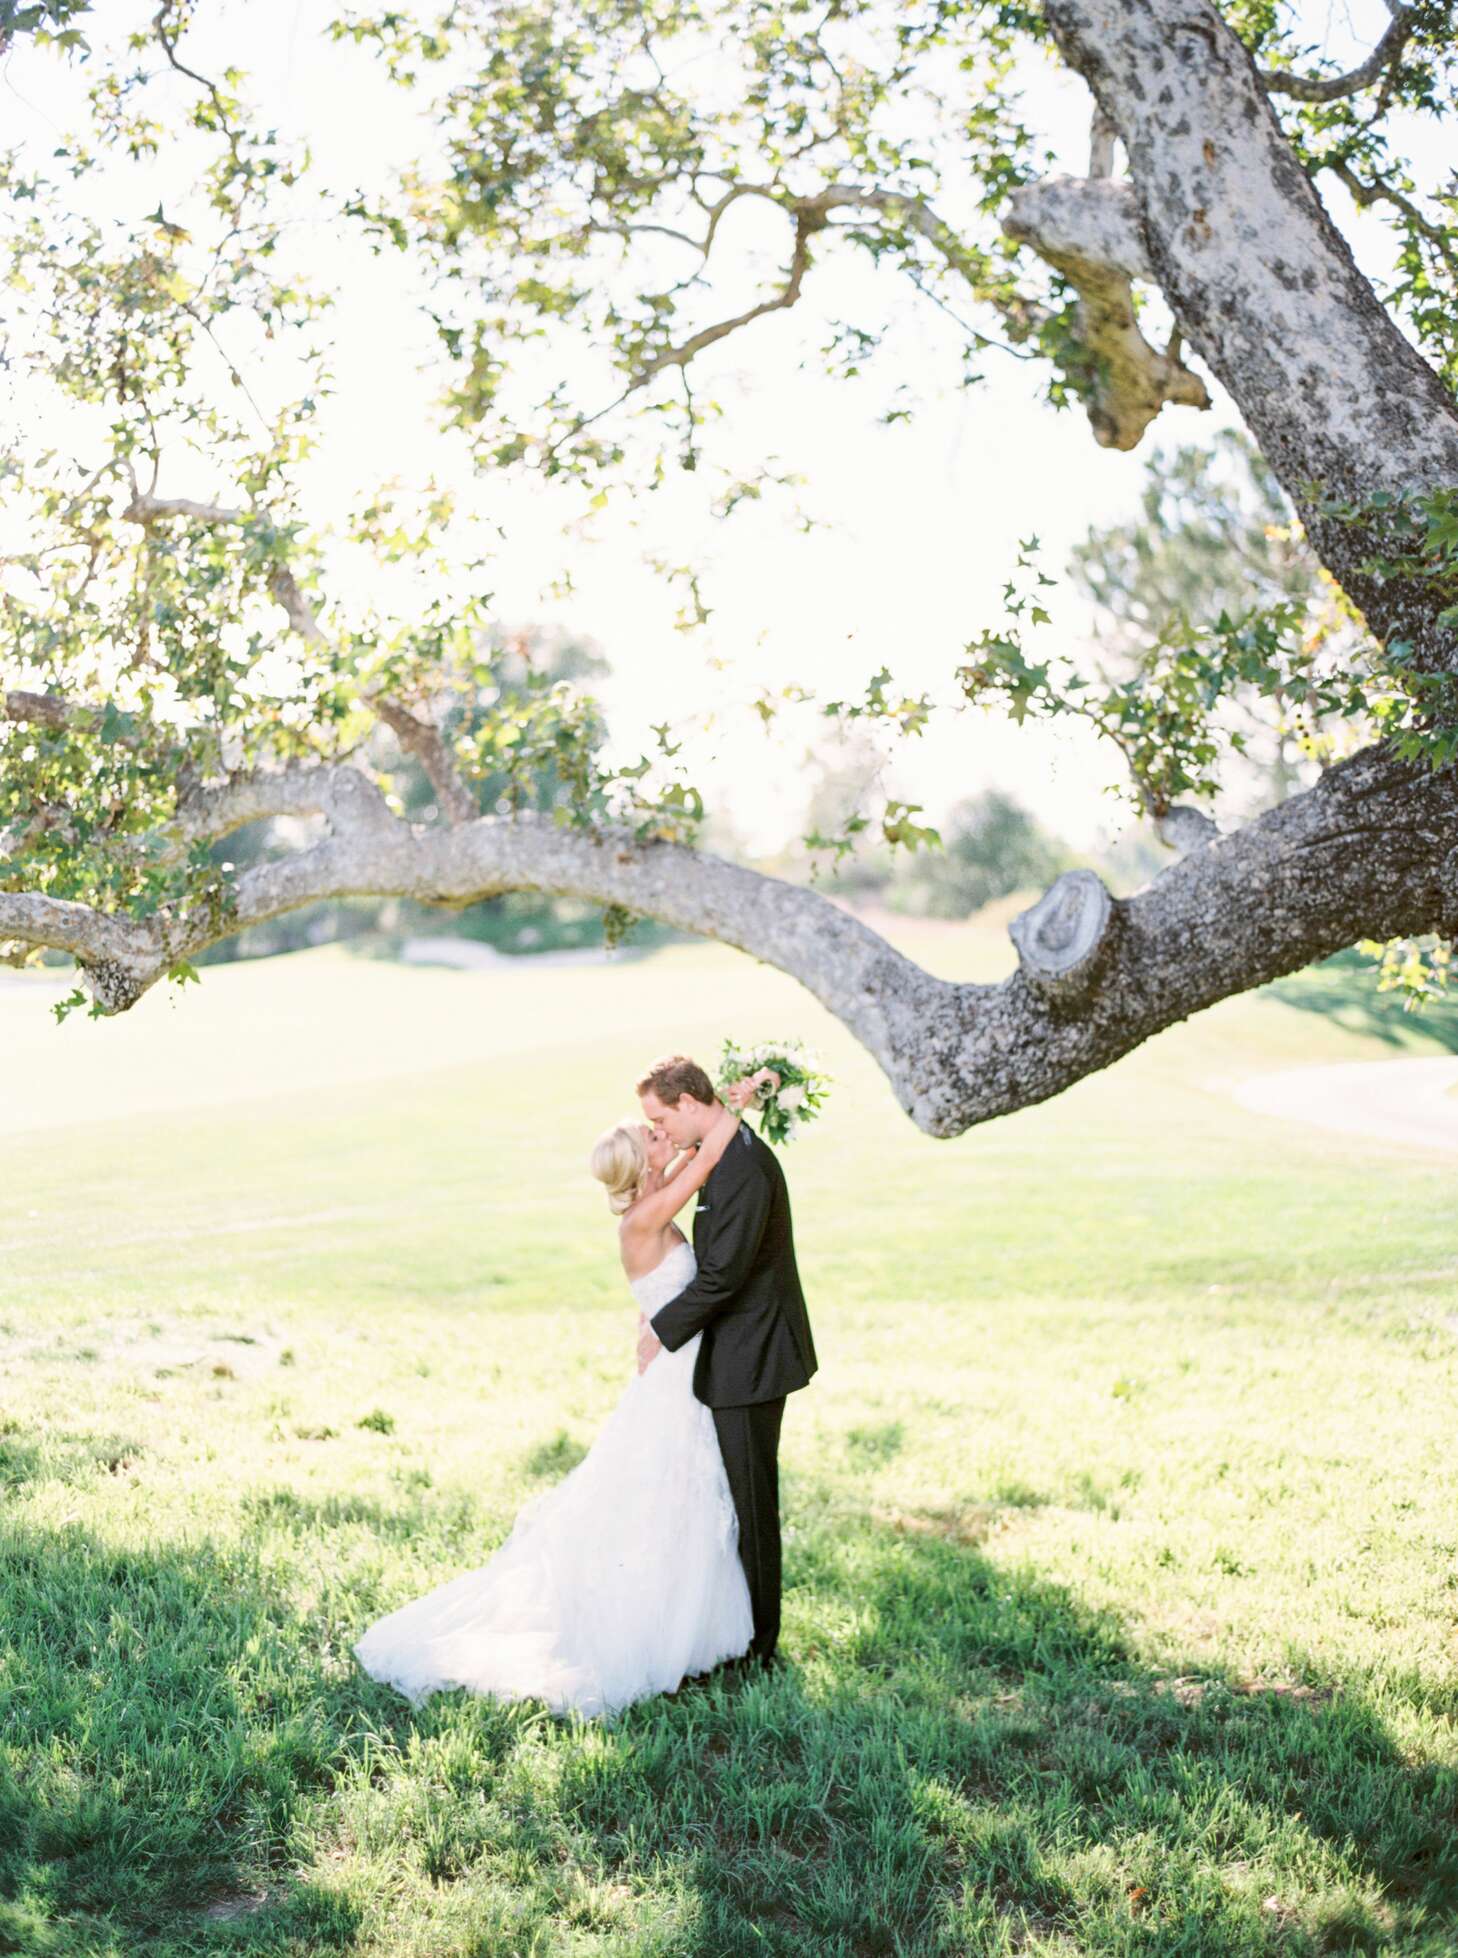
x: 640, y: 184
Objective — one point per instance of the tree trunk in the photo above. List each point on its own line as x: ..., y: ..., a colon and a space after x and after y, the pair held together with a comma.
x: 1265, y: 287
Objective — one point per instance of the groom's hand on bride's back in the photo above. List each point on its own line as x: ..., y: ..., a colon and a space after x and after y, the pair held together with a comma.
x: 649, y: 1344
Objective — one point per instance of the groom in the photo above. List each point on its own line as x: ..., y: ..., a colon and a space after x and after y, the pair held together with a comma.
x: 746, y: 1300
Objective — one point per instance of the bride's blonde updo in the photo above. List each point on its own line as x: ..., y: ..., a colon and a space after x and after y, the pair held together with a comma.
x: 619, y: 1162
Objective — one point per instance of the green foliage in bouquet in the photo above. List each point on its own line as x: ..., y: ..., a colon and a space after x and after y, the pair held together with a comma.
x: 803, y: 1084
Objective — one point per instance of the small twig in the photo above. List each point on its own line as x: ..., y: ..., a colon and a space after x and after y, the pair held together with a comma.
x: 807, y: 222
x: 597, y: 227
x: 169, y: 48
x: 1380, y: 192
x: 145, y: 509
x: 973, y: 332
x: 1328, y: 88
x: 423, y: 740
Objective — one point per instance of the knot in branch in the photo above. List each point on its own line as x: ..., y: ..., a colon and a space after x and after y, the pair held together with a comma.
x: 1060, y: 940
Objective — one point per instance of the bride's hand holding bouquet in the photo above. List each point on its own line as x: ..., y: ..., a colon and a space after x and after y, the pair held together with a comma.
x: 781, y: 1081
x: 739, y: 1094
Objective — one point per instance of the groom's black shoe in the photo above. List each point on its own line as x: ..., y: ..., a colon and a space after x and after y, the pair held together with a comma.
x: 751, y: 1664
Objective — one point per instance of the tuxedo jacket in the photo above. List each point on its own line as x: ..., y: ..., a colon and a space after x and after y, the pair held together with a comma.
x: 745, y: 1297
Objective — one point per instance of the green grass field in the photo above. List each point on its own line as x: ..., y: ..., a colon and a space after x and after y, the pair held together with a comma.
x: 1120, y: 1518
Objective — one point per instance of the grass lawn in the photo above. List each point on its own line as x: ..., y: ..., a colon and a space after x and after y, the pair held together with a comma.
x: 1121, y: 1516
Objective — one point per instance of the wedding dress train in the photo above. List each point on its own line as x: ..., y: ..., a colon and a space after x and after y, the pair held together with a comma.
x: 613, y: 1584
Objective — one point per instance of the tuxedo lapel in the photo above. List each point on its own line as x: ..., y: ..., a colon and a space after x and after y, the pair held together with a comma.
x: 704, y: 1211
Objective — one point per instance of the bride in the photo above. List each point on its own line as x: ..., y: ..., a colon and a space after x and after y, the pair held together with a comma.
x: 625, y: 1576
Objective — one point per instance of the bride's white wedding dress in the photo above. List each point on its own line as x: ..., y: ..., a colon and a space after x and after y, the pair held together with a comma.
x: 613, y: 1584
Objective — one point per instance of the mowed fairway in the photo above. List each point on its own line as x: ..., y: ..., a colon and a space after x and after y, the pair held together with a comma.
x: 1121, y: 1516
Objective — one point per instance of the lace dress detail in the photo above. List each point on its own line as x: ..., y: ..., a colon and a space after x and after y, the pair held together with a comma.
x: 614, y: 1583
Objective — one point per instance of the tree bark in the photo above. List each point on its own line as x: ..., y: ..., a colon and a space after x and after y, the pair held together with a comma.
x: 1370, y: 851
x: 1087, y: 229
x: 1265, y: 287
x: 1063, y: 939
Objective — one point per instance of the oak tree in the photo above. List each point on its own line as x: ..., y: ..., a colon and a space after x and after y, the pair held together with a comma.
x: 185, y: 652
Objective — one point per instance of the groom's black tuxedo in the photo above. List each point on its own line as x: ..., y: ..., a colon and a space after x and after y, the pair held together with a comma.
x: 746, y: 1300
x: 745, y: 1297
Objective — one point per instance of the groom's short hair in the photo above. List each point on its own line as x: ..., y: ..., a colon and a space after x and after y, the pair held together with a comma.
x: 674, y: 1077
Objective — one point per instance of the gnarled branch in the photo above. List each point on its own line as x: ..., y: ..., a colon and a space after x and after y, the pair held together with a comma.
x: 1185, y: 828
x: 1087, y: 228
x: 1265, y: 289
x: 1370, y: 851
x: 344, y: 796
x: 810, y: 214
x: 807, y: 222
x: 146, y: 509
x: 55, y: 711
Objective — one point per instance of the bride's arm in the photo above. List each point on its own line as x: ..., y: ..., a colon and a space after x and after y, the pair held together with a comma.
x: 689, y: 1173
x: 679, y: 1164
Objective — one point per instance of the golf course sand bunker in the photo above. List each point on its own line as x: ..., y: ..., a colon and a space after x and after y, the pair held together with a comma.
x: 1389, y: 1101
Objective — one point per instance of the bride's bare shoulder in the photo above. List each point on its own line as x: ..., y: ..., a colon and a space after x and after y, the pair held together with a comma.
x: 636, y: 1245
x: 643, y: 1252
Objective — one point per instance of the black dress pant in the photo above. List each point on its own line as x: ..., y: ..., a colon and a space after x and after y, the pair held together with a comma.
x: 749, y: 1441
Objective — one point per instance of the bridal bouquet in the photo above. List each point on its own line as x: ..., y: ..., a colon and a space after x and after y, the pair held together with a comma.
x: 782, y: 1081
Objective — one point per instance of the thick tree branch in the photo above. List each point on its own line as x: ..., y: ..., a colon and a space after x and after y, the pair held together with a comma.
x: 97, y: 942
x: 1266, y: 290
x: 1082, y: 219
x: 53, y: 710
x: 145, y: 509
x: 1102, y: 137
x: 1062, y: 941
x: 1087, y: 228
x: 45, y: 709
x: 1184, y: 828
x: 1370, y: 851
x: 346, y: 799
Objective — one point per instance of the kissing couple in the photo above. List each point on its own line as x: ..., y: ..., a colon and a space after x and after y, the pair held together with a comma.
x: 658, y: 1557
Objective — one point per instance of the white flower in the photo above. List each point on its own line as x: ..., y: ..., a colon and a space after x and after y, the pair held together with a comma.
x: 791, y: 1097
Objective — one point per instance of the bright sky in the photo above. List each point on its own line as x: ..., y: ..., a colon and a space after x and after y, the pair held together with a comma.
x: 924, y: 517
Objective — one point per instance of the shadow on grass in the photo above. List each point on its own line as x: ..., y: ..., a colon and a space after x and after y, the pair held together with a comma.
x: 959, y: 1758
x: 63, y: 1458
x: 1344, y: 989
x: 158, y: 1733
x: 451, y: 1518
x: 973, y: 1761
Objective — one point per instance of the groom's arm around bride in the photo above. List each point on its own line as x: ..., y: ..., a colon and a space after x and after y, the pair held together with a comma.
x: 728, y: 1231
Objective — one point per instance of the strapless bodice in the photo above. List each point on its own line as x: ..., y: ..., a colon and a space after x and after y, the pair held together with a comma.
x: 666, y: 1280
